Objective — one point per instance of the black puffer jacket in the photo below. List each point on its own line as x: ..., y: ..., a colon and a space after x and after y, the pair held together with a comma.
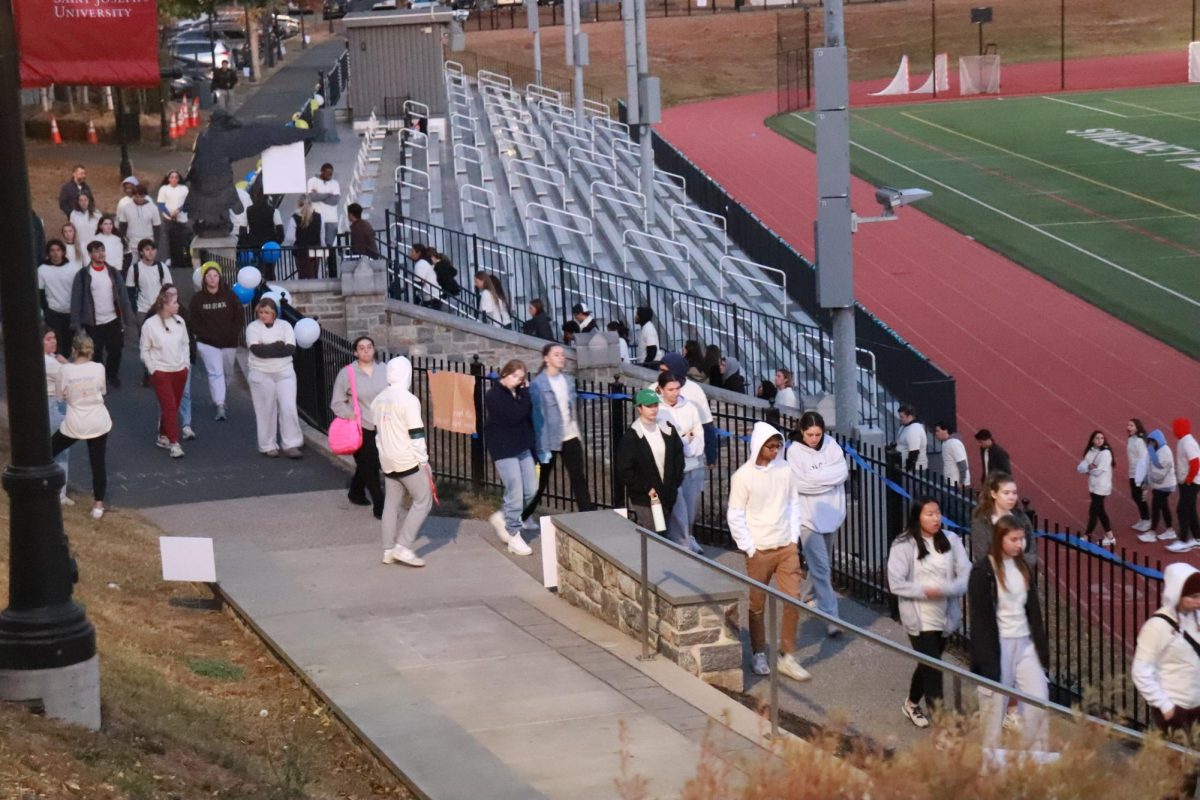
x: 982, y: 599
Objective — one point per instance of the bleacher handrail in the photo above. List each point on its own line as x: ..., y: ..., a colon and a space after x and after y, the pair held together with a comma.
x: 535, y: 173
x: 584, y: 225
x: 581, y: 155
x: 401, y: 175
x: 617, y: 195
x: 596, y: 109
x: 533, y: 90
x: 456, y: 67
x: 727, y: 260
x: 469, y: 195
x: 670, y: 244
x: 716, y: 222
x: 610, y: 126
x: 484, y: 76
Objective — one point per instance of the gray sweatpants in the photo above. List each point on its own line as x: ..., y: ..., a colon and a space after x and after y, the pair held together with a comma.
x: 420, y: 500
x: 1021, y: 669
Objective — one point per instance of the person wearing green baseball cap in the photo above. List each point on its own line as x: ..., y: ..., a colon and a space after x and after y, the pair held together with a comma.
x: 650, y: 462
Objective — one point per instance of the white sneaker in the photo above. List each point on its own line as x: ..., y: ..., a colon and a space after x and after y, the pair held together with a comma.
x: 788, y: 665
x: 389, y: 557
x: 66, y: 501
x: 1167, y: 535
x: 220, y: 415
x: 497, y: 521
x: 1181, y: 546
x: 1141, y: 525
x: 761, y: 665
x: 1149, y: 536
x: 517, y: 546
x: 176, y: 451
x: 1109, y: 540
x: 163, y: 442
x: 97, y: 513
x: 188, y: 433
x: 406, y: 556
x: 531, y: 524
x: 915, y: 715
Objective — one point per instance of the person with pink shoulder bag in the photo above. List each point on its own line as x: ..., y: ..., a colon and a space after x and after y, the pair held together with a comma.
x: 355, y: 388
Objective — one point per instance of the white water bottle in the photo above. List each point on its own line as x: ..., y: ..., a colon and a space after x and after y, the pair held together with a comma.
x: 656, y: 511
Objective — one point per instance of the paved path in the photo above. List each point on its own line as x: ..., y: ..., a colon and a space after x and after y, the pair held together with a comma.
x: 286, y: 90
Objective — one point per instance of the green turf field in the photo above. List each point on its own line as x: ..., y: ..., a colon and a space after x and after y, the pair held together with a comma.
x: 1098, y: 192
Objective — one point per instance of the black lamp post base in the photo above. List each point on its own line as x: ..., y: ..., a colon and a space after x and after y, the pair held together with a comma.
x: 70, y: 694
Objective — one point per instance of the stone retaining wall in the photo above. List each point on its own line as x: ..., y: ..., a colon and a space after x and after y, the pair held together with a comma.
x: 702, y: 637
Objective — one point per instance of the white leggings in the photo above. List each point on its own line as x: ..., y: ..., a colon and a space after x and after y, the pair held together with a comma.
x: 1021, y: 669
x: 274, y: 396
x: 218, y: 363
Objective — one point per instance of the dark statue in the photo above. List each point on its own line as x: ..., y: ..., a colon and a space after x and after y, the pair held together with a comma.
x: 211, y: 194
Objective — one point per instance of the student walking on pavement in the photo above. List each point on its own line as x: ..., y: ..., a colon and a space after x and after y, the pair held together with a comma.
x: 819, y: 475
x: 928, y: 570
x: 405, y: 461
x: 171, y: 197
x: 100, y: 308
x: 998, y: 499
x: 685, y: 417
x: 81, y: 386
x: 164, y: 351
x: 85, y: 218
x: 355, y: 388
x: 1097, y: 464
x: 1139, y: 463
x: 1160, y: 475
x: 955, y: 467
x: 555, y: 427
x: 912, y: 443
x: 650, y: 463
x: 55, y: 278
x: 1008, y: 641
x: 1166, y: 664
x: 55, y: 405
x: 508, y: 434
x: 1187, y: 474
x: 992, y: 457
x: 272, y: 379
x: 764, y: 519
x: 71, y: 190
x: 216, y: 319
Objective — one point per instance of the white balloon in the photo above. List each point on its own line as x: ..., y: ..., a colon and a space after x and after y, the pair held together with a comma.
x: 307, y: 331
x: 272, y: 296
x: 196, y: 279
x: 283, y: 294
x: 249, y: 277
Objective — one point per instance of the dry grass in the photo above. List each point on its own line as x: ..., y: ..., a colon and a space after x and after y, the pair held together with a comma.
x: 194, y: 704
x: 702, y: 57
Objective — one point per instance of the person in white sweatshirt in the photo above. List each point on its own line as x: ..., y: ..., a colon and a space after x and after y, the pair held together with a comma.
x: 1097, y: 464
x: 1137, y: 454
x: 1160, y: 476
x: 685, y: 417
x: 764, y: 519
x: 164, y: 350
x: 819, y: 474
x: 1166, y: 664
x: 404, y: 458
x: 272, y: 342
x: 1187, y: 474
x: 911, y: 440
x: 81, y: 386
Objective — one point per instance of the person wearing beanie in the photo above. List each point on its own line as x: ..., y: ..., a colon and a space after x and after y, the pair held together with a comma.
x: 650, y: 463
x: 404, y: 458
x: 1187, y: 473
x: 1160, y: 476
x: 584, y: 318
x: 764, y: 519
x: 1166, y: 664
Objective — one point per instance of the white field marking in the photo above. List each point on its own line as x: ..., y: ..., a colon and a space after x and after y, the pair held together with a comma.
x: 1085, y: 107
x: 1157, y: 111
x: 1107, y: 221
x: 1019, y: 221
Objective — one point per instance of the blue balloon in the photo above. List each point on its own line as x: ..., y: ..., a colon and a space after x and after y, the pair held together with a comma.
x: 250, y: 176
x: 270, y: 253
x: 246, y: 258
x: 243, y: 294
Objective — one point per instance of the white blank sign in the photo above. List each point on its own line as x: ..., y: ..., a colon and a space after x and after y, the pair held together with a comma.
x: 187, y: 558
x: 283, y: 169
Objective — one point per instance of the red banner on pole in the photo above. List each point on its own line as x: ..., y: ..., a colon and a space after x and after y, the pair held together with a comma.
x: 88, y: 42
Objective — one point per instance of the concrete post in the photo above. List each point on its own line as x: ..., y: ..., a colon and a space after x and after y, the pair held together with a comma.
x: 647, y: 151
x: 535, y: 28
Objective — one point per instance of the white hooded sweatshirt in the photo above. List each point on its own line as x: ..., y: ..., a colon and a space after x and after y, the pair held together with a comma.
x: 1166, y: 669
x: 397, y: 414
x: 685, y: 416
x: 764, y: 513
x: 1098, y: 466
x: 819, y: 476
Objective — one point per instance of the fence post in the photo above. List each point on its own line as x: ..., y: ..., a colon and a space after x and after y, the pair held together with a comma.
x: 320, y: 408
x: 616, y: 431
x: 477, y: 440
x: 564, y: 308
x: 893, y: 510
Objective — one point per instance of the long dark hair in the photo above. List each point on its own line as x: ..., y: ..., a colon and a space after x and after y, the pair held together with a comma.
x: 912, y: 529
x: 1139, y: 430
x: 1105, y: 446
x: 987, y: 504
x: 492, y: 284
x: 807, y: 420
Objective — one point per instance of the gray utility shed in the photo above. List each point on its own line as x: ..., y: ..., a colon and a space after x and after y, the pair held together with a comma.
x: 396, y: 54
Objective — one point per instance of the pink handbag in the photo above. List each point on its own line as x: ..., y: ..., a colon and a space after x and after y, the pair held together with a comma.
x: 345, y: 435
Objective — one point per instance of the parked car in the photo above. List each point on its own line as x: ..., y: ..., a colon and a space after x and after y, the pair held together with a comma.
x: 232, y: 36
x: 384, y: 5
x: 334, y: 9
x: 198, y: 52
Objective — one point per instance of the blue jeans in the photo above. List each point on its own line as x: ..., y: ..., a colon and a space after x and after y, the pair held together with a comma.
x: 687, y: 506
x: 816, y: 552
x: 185, y: 405
x: 58, y: 412
x: 520, y: 486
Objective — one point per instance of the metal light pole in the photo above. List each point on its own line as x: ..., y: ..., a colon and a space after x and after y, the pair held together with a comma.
x: 835, y: 258
x: 648, y: 108
x: 535, y: 28
x: 47, y: 644
x: 577, y: 55
x: 933, y: 41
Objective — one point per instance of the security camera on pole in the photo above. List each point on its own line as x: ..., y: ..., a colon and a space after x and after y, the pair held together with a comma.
x: 644, y: 106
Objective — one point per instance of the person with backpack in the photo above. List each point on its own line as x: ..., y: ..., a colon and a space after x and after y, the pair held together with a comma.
x: 145, y: 278
x: 1166, y: 663
x: 1097, y: 464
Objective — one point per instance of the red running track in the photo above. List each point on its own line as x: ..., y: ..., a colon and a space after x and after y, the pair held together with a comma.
x: 1102, y: 73
x: 1037, y: 365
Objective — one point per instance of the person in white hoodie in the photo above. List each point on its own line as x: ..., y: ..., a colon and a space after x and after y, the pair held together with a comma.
x: 928, y: 571
x: 764, y: 519
x: 1097, y: 464
x: 1160, y: 476
x: 165, y: 351
x: 912, y: 443
x: 1137, y: 454
x: 404, y: 457
x: 819, y: 474
x: 1166, y: 664
x: 685, y: 416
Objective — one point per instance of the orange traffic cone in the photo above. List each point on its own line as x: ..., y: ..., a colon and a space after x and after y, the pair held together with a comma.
x: 92, y: 138
x: 55, y: 136
x: 195, y: 112
x: 174, y: 126
x: 183, y: 121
